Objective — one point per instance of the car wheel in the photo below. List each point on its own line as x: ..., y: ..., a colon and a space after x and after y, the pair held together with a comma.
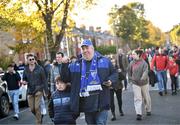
x: 4, y: 106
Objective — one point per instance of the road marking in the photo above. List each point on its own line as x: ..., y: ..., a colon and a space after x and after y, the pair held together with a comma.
x: 13, y: 115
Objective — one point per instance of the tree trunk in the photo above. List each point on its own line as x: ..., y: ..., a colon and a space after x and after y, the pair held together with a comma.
x: 60, y: 36
x: 49, y: 35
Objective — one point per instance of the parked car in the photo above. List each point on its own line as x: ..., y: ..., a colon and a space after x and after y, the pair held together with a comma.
x: 4, y: 99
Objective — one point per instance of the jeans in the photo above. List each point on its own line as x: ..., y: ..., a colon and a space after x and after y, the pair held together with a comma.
x: 162, y: 79
x: 125, y: 83
x: 173, y: 83
x: 96, y: 118
x: 14, y: 95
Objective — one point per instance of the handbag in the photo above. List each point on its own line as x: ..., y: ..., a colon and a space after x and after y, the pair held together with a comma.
x: 121, y: 76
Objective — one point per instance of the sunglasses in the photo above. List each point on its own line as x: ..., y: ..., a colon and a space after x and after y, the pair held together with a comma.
x: 31, y: 59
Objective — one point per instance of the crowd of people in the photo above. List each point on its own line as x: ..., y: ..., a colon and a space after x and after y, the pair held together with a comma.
x: 87, y: 83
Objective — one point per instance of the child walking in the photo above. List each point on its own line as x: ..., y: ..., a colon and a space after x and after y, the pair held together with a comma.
x: 173, y: 71
x: 59, y: 105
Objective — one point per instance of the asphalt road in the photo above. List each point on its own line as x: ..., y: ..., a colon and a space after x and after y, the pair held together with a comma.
x: 165, y: 111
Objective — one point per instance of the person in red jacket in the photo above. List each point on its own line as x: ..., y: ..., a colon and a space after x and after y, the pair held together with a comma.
x: 173, y: 71
x: 159, y: 64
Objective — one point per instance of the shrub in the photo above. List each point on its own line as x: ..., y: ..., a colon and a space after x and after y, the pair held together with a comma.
x: 5, y: 61
x: 106, y: 50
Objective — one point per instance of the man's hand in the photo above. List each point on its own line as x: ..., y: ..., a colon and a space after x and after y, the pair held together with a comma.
x: 24, y: 82
x: 107, y: 83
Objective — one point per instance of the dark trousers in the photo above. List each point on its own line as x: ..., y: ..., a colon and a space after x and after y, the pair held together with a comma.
x: 119, y: 99
x: 173, y: 83
x: 96, y: 118
x: 125, y: 83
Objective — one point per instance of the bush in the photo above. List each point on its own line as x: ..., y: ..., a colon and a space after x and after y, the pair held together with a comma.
x: 5, y: 61
x: 106, y: 50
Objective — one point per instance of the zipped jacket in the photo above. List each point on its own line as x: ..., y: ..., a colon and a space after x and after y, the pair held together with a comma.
x: 106, y: 71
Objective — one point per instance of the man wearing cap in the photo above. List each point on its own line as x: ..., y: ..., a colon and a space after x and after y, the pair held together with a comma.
x: 13, y: 79
x: 91, y: 77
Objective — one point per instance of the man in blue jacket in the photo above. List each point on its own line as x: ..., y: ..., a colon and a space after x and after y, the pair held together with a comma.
x: 91, y: 77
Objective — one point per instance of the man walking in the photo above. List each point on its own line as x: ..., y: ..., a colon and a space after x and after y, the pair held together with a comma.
x: 34, y: 77
x: 159, y: 62
x: 55, y: 70
x: 91, y: 77
x: 13, y: 81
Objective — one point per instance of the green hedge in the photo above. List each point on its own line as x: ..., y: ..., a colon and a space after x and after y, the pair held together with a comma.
x: 5, y: 61
x: 106, y: 50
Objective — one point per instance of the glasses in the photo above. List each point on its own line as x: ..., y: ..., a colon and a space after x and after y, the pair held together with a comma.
x: 31, y: 59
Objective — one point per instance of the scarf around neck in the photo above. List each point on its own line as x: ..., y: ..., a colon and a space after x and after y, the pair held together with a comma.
x: 90, y: 82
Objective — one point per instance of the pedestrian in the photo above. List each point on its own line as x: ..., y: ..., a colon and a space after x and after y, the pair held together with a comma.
x: 91, y: 77
x: 13, y: 81
x: 118, y: 91
x: 34, y: 77
x: 159, y: 64
x: 122, y: 63
x: 56, y: 70
x: 59, y: 104
x: 21, y: 65
x: 173, y: 71
x: 15, y: 66
x: 47, y: 68
x: 138, y: 76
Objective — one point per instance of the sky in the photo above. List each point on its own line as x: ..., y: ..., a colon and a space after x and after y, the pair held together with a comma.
x: 162, y: 13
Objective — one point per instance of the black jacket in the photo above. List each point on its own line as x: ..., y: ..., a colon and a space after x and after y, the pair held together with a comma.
x: 152, y: 78
x: 59, y: 108
x: 36, y: 80
x: 12, y: 80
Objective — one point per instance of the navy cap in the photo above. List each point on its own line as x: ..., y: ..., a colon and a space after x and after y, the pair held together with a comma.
x: 86, y: 43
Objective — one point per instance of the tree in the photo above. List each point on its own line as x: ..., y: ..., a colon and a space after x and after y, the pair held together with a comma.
x: 60, y: 10
x: 128, y: 22
x: 156, y: 37
x: 53, y: 15
x: 24, y: 28
x: 175, y: 35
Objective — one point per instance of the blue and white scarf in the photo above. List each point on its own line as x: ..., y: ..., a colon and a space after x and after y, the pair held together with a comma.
x: 90, y: 82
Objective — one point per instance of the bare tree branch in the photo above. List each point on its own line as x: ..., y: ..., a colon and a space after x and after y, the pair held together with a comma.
x: 38, y: 5
x: 58, y: 6
x: 42, y: 2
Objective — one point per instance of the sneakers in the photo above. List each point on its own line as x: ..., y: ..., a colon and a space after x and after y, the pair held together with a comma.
x: 42, y: 118
x: 148, y: 113
x: 174, y: 93
x: 121, y: 113
x: 139, y: 117
x: 113, y: 118
x: 16, y: 117
x: 160, y: 93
